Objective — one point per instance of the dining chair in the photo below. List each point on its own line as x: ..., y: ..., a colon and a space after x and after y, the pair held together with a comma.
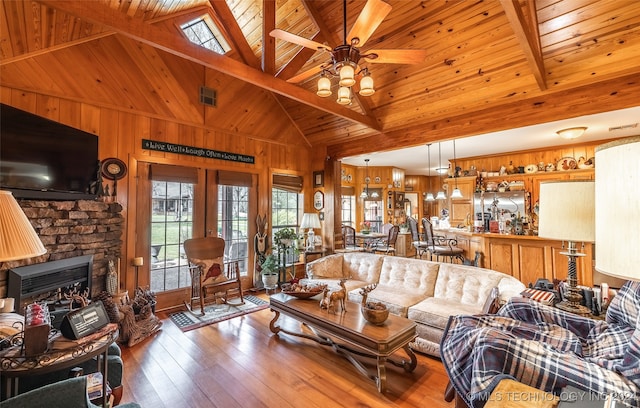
x: 388, y: 246
x: 211, y: 277
x: 349, y: 240
x: 419, y: 244
x: 440, y: 246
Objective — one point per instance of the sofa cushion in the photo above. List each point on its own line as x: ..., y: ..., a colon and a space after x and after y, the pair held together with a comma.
x: 409, y: 276
x: 470, y: 285
x: 327, y: 267
x: 435, y: 311
x: 361, y: 266
x: 396, y: 299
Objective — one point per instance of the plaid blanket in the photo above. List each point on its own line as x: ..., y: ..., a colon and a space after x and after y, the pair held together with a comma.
x: 547, y: 349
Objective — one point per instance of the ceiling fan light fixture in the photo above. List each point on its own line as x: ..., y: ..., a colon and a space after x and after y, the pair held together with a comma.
x: 347, y: 75
x: 571, y: 133
x: 344, y: 95
x: 324, y: 87
x: 366, y: 84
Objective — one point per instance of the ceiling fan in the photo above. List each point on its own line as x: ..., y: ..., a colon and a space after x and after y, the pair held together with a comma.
x: 345, y: 58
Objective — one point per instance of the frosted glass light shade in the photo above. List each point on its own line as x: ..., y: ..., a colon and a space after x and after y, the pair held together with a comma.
x: 567, y: 210
x: 18, y: 239
x: 441, y: 196
x: 617, y: 198
x: 344, y: 96
x: 430, y: 197
x: 366, y: 86
x: 324, y: 87
x: 456, y: 193
x: 347, y: 75
x: 571, y: 133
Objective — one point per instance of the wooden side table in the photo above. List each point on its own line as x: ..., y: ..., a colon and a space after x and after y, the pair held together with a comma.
x: 60, y: 355
x: 513, y: 394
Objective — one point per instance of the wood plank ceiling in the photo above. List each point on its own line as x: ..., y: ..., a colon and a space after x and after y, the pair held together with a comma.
x: 491, y: 65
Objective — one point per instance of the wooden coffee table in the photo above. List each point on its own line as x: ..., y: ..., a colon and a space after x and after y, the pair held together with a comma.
x: 349, y: 334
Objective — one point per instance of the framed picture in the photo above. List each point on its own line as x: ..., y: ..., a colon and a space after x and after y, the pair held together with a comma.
x: 318, y: 179
x: 318, y: 200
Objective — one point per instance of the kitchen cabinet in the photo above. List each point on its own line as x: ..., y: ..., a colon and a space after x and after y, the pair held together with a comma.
x: 460, y: 207
x: 404, y: 247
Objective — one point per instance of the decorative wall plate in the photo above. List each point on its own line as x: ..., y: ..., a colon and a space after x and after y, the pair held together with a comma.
x: 566, y: 163
x: 113, y: 168
x: 531, y: 168
x: 377, y: 179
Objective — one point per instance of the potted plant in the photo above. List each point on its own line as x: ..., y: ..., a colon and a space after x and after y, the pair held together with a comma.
x: 270, y: 269
x: 284, y: 237
x: 404, y: 227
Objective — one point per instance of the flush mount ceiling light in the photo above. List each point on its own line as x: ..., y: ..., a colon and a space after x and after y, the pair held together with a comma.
x: 571, y: 133
x: 346, y: 58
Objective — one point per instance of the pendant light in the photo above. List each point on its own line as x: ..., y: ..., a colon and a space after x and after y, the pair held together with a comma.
x: 456, y: 191
x: 365, y: 191
x: 440, y: 195
x: 429, y: 194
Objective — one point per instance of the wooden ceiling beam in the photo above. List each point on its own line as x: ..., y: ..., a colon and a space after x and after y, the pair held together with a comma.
x: 228, y: 23
x: 529, y: 41
x: 176, y: 45
x: 616, y: 93
x: 268, y: 42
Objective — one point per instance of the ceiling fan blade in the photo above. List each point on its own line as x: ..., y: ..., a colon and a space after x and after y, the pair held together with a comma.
x: 396, y: 56
x: 368, y: 21
x: 296, y: 39
x: 303, y: 76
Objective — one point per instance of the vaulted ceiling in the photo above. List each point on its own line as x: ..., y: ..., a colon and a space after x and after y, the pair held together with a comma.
x: 490, y: 65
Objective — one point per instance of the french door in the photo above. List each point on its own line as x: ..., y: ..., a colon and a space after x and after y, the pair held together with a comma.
x: 176, y: 203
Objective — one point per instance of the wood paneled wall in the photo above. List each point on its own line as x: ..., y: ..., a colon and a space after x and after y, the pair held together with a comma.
x: 121, y: 133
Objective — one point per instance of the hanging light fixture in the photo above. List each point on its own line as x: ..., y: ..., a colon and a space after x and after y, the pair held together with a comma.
x: 365, y: 191
x: 456, y: 191
x: 429, y: 194
x: 345, y: 59
x: 440, y: 195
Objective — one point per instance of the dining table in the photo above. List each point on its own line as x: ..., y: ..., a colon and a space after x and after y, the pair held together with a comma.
x: 369, y: 239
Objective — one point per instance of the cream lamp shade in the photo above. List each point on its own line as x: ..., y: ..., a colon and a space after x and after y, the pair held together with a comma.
x: 618, y: 208
x: 310, y: 221
x: 567, y: 210
x: 18, y: 239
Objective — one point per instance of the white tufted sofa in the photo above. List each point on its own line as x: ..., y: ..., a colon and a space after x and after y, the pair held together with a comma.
x: 424, y: 291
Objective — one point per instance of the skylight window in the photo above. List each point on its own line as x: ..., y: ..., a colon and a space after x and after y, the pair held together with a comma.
x: 205, y: 34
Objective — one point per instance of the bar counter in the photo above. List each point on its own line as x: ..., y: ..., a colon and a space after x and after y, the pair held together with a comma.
x: 526, y: 257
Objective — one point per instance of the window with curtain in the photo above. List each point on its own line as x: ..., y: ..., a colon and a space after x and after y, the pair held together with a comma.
x: 287, y: 206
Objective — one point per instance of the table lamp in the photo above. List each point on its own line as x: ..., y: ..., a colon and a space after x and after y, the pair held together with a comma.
x: 18, y: 239
x: 567, y: 214
x: 310, y: 221
x: 618, y: 208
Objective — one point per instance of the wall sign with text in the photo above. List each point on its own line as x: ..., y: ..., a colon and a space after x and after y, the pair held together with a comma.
x: 196, y: 151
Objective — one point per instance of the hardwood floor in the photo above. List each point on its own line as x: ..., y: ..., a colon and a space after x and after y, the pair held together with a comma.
x: 240, y: 363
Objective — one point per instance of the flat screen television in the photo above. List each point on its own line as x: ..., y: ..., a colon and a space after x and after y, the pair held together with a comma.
x: 43, y: 159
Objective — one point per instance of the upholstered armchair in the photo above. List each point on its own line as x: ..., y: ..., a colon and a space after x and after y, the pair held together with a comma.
x: 546, y: 348
x: 70, y: 393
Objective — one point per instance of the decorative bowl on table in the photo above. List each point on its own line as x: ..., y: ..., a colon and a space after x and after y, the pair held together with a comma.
x: 375, y: 312
x: 302, y: 291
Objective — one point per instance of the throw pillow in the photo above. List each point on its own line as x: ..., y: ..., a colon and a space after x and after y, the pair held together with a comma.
x: 212, y: 270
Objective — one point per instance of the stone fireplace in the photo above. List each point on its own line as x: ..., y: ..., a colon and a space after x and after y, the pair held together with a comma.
x: 71, y: 229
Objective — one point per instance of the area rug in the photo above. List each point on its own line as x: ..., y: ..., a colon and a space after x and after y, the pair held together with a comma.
x: 216, y: 313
